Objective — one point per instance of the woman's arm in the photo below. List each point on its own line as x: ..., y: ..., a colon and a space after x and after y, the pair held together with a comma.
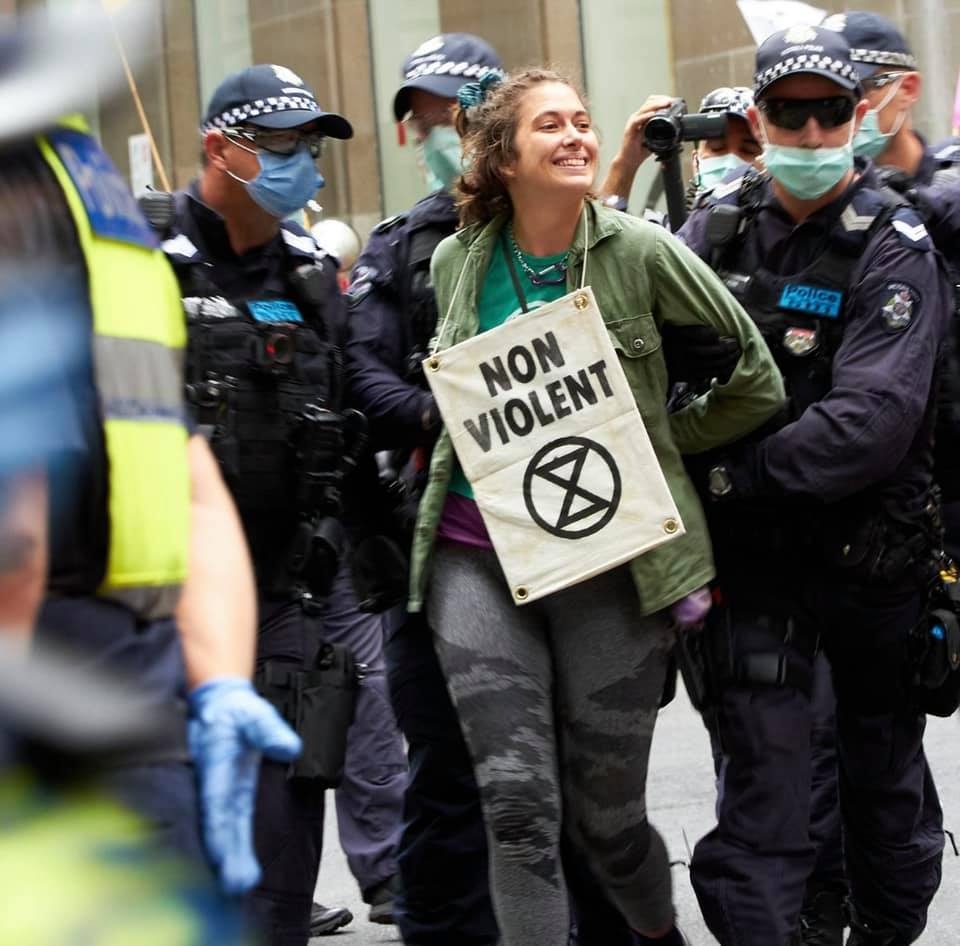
x: 687, y: 292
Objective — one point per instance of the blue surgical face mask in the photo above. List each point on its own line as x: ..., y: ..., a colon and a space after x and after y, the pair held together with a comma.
x: 870, y: 141
x: 285, y: 183
x: 712, y: 170
x: 442, y: 156
x: 807, y: 173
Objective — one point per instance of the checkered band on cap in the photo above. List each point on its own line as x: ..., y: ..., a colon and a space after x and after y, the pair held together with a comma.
x: 250, y: 111
x: 447, y: 67
x: 806, y: 62
x: 881, y: 58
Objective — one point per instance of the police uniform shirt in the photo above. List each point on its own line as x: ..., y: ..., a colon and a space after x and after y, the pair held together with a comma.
x: 200, y: 237
x: 377, y: 346
x: 895, y: 317
x: 198, y: 246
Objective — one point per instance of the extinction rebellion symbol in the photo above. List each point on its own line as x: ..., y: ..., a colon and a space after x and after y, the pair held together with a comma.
x: 572, y: 487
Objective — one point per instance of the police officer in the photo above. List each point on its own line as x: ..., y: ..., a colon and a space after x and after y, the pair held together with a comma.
x: 892, y: 87
x: 929, y: 175
x: 264, y: 374
x: 693, y: 361
x: 141, y: 527
x: 823, y: 525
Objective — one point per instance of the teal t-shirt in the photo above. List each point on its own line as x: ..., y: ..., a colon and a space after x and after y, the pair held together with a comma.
x: 498, y: 303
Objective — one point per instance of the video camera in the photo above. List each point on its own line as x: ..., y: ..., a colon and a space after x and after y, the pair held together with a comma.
x: 667, y: 129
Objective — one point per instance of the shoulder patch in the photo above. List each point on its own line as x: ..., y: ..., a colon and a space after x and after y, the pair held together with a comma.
x: 385, y: 226
x: 897, y: 307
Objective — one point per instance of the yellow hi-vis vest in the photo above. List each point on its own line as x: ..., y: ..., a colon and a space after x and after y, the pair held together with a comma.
x: 138, y: 345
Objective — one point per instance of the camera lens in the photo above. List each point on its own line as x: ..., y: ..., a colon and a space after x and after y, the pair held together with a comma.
x: 661, y: 133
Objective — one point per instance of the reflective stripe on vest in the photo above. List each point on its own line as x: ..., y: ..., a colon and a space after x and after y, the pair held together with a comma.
x: 139, y: 336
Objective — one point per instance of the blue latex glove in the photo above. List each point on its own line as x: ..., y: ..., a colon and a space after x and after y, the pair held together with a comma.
x: 229, y: 729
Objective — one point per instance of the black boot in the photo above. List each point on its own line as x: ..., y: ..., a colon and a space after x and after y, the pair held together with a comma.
x: 822, y: 920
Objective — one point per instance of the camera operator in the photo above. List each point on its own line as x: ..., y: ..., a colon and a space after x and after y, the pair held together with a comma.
x: 713, y: 156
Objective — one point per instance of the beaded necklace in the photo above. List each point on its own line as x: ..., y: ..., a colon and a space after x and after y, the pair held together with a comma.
x: 553, y: 275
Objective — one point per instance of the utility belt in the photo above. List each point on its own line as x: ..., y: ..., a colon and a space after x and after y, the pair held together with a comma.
x: 881, y: 550
x: 935, y: 648
x: 319, y: 705
x: 709, y: 663
x: 877, y: 548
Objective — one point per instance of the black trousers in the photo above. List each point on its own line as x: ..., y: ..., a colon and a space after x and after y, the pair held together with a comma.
x: 751, y: 871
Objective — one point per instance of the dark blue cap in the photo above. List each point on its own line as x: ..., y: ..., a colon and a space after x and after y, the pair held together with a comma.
x: 444, y: 63
x: 805, y: 50
x: 272, y: 97
x: 728, y: 101
x: 874, y: 41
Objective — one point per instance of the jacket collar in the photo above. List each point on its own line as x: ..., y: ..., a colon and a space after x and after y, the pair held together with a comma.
x: 479, y: 237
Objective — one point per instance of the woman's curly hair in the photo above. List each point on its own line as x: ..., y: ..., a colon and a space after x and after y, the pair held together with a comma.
x: 489, y: 132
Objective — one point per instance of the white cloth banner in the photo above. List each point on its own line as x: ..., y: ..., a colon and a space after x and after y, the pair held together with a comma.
x: 765, y: 17
x: 548, y: 434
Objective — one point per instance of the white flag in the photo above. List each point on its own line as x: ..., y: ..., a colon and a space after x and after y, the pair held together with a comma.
x: 764, y: 17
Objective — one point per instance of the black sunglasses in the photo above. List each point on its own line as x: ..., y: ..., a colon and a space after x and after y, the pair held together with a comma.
x: 793, y: 114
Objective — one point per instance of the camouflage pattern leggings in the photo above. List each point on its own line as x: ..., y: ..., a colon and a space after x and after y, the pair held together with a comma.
x: 557, y: 700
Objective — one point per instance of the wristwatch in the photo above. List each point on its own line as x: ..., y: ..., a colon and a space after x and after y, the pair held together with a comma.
x: 719, y: 482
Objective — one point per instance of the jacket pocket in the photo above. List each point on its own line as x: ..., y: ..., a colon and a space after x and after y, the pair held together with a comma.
x: 635, y: 337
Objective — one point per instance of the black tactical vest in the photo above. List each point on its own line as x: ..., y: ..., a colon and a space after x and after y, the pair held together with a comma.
x: 800, y: 315
x: 259, y: 372
x: 264, y: 377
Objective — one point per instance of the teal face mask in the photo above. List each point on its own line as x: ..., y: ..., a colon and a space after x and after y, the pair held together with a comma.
x: 442, y: 156
x: 712, y: 170
x: 870, y: 141
x: 807, y: 173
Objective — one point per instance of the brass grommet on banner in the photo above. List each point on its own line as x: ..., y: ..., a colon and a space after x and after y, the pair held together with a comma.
x: 521, y: 593
x: 581, y: 301
x: 433, y: 363
x: 670, y: 526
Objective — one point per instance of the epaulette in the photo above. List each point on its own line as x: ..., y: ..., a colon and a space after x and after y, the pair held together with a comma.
x: 301, y: 243
x: 385, y: 226
x: 910, y: 229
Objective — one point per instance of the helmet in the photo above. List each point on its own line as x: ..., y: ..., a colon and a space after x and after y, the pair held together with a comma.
x: 339, y: 239
x: 730, y: 101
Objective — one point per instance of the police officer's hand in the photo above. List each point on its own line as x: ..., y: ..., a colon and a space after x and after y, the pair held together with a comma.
x: 230, y: 728
x: 698, y: 353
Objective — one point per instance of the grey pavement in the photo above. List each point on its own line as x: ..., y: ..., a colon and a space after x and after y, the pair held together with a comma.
x: 681, y: 796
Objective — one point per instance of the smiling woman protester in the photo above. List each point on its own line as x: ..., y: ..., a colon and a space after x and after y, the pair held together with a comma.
x: 558, y: 698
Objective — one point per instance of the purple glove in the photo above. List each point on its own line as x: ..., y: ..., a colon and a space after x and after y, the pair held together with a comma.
x: 691, y: 609
x: 230, y: 728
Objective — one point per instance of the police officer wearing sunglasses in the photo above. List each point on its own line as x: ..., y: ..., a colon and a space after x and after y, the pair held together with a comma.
x: 822, y: 522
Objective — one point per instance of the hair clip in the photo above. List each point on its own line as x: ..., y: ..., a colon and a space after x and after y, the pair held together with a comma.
x: 474, y: 93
